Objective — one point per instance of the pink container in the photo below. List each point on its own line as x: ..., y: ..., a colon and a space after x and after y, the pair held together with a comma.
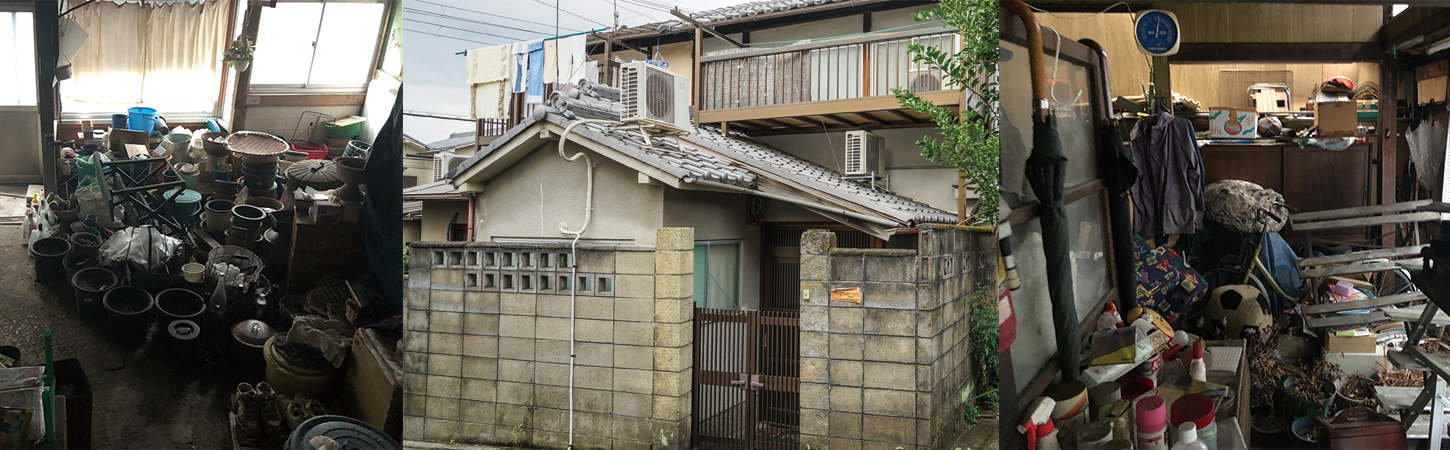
x: 1152, y: 415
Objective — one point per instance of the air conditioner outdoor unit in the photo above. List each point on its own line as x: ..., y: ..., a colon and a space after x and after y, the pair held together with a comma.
x: 654, y: 96
x: 863, y: 153
x: 446, y: 162
x: 925, y: 80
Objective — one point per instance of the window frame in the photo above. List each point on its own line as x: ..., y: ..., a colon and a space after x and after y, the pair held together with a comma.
x: 16, y: 9
x: 221, y: 109
x: 373, y: 64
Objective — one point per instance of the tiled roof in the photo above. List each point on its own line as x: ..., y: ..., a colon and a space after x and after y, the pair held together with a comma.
x: 454, y: 141
x: 743, y: 10
x: 710, y: 155
x: 780, y: 165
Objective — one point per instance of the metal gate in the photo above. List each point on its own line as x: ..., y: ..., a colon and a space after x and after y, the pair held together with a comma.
x: 747, y: 379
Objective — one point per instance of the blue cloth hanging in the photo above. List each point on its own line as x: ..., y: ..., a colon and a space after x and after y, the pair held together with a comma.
x: 536, y: 73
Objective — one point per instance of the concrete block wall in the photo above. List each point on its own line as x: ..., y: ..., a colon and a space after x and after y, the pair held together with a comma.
x: 888, y: 372
x: 487, y: 347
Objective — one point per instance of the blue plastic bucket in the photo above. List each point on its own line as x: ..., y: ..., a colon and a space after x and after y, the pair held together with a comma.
x: 119, y: 120
x: 142, y: 119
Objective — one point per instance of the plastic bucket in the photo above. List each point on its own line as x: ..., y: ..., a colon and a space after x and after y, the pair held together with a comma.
x: 192, y: 272
x: 1300, y: 427
x: 141, y: 119
x: 288, y: 379
x: 74, y: 262
x: 127, y: 309
x: 119, y: 120
x: 177, y: 311
x: 358, y: 149
x: 313, y: 151
x: 91, y: 285
x: 85, y: 244
x: 48, y: 256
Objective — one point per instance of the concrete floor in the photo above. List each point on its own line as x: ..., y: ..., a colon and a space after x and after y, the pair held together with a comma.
x: 140, y: 400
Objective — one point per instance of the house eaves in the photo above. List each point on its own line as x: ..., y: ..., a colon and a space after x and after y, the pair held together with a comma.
x: 661, y: 159
x: 754, y: 15
x: 705, y: 159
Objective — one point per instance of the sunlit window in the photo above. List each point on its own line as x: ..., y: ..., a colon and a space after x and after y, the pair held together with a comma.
x: 327, y: 45
x: 17, y: 59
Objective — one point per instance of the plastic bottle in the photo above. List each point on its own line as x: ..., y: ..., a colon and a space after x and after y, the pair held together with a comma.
x: 1152, y: 420
x: 1188, y: 438
x: 1196, y: 370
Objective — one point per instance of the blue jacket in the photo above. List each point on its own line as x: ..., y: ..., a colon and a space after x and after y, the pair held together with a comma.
x: 1168, y: 195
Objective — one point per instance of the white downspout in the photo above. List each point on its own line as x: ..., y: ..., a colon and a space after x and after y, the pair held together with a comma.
x: 574, y: 248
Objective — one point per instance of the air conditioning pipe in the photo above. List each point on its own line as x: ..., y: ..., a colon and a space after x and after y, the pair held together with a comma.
x: 574, y: 247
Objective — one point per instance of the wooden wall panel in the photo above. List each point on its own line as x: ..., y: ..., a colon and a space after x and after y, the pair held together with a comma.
x: 1200, y: 81
x: 1224, y: 22
x: 1276, y: 22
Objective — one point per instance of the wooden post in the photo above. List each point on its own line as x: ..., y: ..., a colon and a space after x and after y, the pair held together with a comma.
x: 1162, y: 82
x: 244, y: 79
x: 47, y: 51
x: 1389, y: 136
x: 697, y: 78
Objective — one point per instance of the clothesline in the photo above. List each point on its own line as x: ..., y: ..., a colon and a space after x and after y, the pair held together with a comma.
x: 465, y: 52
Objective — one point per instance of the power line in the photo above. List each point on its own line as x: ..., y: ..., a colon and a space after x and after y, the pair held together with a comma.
x: 449, y: 37
x: 459, y: 29
x: 433, y: 115
x: 441, y: 16
x: 541, y: 2
x: 488, y: 14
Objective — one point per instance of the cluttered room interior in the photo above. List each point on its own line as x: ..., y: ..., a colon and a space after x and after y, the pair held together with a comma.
x: 198, y: 224
x: 1227, y: 224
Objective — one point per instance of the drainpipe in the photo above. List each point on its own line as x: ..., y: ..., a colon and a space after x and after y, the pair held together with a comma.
x: 574, y: 247
x: 471, y: 221
x: 689, y: 179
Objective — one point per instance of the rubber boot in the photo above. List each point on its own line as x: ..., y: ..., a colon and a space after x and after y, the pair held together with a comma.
x: 245, y: 404
x: 271, y: 416
x: 293, y: 412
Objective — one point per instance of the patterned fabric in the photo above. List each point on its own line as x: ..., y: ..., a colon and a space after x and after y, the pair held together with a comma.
x: 1166, y: 284
x: 1236, y: 205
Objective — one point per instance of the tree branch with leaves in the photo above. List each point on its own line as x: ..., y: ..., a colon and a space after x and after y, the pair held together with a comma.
x: 969, y: 138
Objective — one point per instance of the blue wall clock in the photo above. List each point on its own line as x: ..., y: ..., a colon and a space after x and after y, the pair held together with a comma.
x: 1156, y: 32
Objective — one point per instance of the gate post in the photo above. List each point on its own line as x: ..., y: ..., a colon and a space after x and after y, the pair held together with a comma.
x: 815, y: 271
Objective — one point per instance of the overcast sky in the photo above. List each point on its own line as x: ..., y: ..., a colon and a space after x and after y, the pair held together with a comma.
x: 435, y: 75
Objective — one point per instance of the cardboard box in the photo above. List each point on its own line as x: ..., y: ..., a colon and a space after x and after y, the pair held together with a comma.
x: 375, y: 380
x: 1233, y: 123
x: 1337, y: 118
x: 1359, y: 363
x: 1350, y: 344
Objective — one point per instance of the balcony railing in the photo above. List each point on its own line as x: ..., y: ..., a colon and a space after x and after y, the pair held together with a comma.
x: 842, y: 69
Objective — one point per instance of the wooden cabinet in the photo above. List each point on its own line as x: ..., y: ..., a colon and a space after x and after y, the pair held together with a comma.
x: 1309, y: 178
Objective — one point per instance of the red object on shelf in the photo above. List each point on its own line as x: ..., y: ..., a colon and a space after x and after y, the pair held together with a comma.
x: 313, y: 151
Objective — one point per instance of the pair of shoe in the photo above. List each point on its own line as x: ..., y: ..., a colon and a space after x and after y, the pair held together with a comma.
x: 298, y: 409
x: 258, y: 420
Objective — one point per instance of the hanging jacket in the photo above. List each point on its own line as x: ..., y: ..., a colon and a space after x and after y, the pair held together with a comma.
x: 1168, y: 194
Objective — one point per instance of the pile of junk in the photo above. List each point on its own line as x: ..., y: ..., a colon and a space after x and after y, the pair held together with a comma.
x: 179, y: 241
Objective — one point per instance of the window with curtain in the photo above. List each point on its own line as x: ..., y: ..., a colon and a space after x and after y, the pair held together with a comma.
x: 164, y: 55
x: 717, y: 275
x: 17, y: 59
x: 317, y: 45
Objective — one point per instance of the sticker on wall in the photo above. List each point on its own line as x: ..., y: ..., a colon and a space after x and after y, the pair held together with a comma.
x: 847, y: 295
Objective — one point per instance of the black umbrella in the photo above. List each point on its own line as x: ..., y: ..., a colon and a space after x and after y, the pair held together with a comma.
x: 1045, y: 175
x: 1115, y: 164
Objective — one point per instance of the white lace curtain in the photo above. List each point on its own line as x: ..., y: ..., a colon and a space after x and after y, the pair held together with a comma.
x: 165, y: 55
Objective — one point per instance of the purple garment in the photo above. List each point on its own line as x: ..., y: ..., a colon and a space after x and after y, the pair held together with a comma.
x: 1168, y: 195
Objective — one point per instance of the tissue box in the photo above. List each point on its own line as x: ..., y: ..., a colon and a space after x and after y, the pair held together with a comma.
x: 1233, y: 123
x: 327, y: 211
